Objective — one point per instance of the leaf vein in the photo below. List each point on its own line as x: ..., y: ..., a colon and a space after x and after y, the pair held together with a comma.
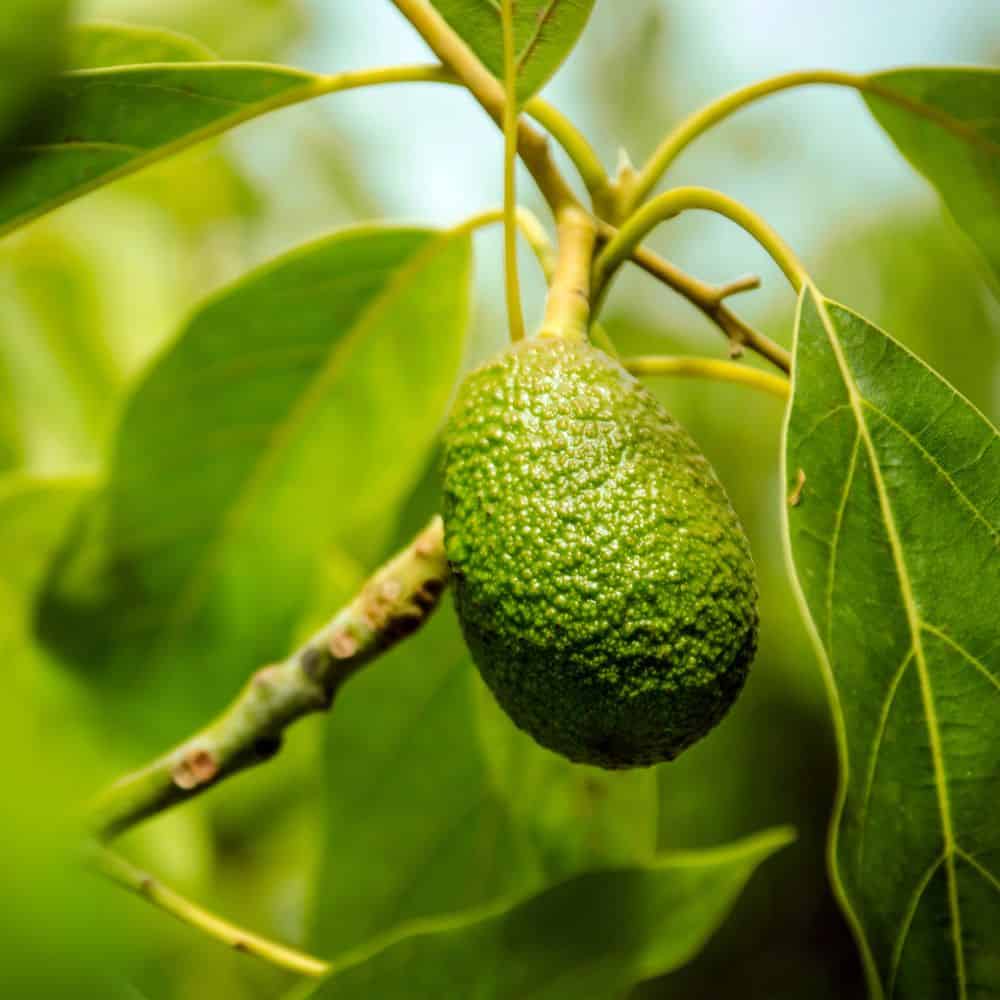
x: 942, y: 472
x: 873, y: 760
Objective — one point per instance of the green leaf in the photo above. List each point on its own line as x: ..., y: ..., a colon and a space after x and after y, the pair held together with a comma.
x: 31, y: 37
x: 34, y: 515
x: 895, y: 537
x: 408, y: 784
x: 116, y: 121
x: 595, y: 935
x: 574, y: 817
x: 296, y: 404
x: 105, y: 44
x: 544, y: 33
x: 53, y: 340
x: 946, y: 122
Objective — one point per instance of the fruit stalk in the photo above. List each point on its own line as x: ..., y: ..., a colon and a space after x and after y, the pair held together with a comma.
x: 392, y: 604
x: 567, y: 308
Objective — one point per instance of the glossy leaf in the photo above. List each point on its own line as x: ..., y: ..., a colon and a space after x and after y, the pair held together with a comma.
x: 116, y: 121
x: 296, y: 404
x: 946, y: 122
x: 895, y: 538
x: 595, y: 935
x: 544, y: 33
x: 105, y: 44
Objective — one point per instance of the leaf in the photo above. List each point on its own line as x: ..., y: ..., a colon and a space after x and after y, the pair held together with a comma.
x: 595, y: 935
x: 408, y: 785
x: 296, y: 404
x: 895, y: 537
x: 105, y: 44
x: 115, y: 121
x: 544, y: 33
x: 31, y: 36
x: 574, y: 817
x: 34, y: 515
x: 53, y: 340
x: 946, y: 122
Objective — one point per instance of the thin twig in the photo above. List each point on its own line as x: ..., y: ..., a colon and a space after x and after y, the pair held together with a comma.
x: 709, y: 299
x: 125, y: 874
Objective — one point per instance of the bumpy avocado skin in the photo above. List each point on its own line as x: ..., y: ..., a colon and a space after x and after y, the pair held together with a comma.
x: 603, y: 581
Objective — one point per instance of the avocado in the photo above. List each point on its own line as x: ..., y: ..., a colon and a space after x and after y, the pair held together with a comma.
x: 603, y: 582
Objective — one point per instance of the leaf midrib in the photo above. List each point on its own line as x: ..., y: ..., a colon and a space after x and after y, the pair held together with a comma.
x: 915, y: 625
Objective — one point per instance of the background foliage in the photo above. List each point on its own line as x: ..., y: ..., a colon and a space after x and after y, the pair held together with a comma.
x: 387, y: 811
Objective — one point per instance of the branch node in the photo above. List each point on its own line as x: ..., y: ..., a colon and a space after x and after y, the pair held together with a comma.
x: 745, y: 283
x: 195, y: 768
x: 311, y: 660
x: 343, y: 645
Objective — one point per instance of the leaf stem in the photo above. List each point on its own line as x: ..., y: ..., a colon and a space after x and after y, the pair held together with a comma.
x: 512, y: 283
x: 394, y: 602
x: 700, y: 121
x: 672, y: 203
x: 532, y: 145
x: 116, y: 868
x: 709, y: 368
x: 567, y: 308
x: 531, y: 229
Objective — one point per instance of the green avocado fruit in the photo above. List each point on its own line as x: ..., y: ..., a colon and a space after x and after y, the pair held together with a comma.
x: 602, y: 579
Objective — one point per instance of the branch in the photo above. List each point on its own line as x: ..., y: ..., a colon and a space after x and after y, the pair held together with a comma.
x: 532, y: 146
x: 710, y: 300
x: 392, y: 604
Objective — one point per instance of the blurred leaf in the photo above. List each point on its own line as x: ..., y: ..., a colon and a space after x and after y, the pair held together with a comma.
x: 544, y: 33
x: 949, y: 129
x: 295, y: 404
x: 105, y: 44
x: 31, y: 41
x: 592, y: 936
x: 34, y: 516
x: 574, y: 817
x: 408, y: 785
x: 116, y: 121
x: 895, y: 543
x: 63, y: 373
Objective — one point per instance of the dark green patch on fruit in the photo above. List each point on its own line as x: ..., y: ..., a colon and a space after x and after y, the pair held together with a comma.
x: 603, y: 581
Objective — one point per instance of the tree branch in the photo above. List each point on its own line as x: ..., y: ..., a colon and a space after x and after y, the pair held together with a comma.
x: 710, y: 301
x: 392, y: 604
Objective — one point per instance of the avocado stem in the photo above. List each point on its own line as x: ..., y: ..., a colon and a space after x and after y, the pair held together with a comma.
x: 567, y: 308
